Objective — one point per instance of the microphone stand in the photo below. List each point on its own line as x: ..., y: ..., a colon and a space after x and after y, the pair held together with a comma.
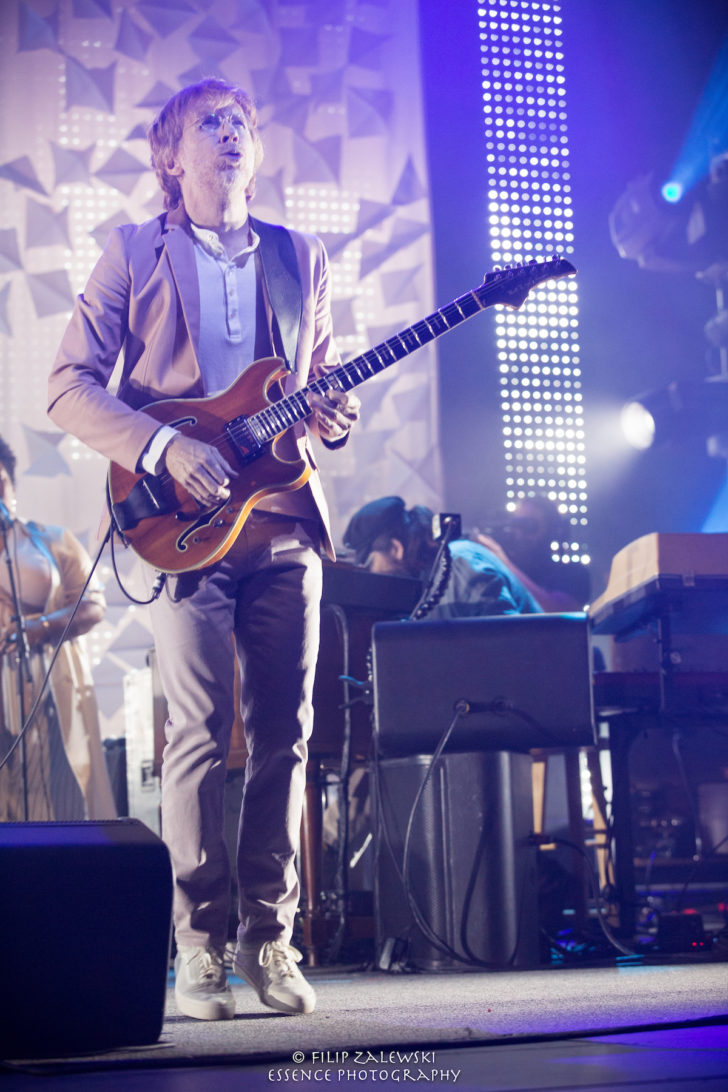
x: 22, y: 656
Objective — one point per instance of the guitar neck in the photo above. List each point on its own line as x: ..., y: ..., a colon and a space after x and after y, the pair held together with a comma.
x: 509, y: 286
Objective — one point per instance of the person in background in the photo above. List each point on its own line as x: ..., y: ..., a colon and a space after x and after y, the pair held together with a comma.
x: 522, y: 542
x: 387, y: 537
x: 59, y: 771
x: 192, y: 299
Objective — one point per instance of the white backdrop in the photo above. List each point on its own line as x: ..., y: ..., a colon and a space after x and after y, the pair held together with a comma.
x: 337, y: 83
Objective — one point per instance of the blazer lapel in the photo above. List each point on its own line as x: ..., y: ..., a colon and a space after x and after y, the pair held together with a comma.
x: 180, y: 250
x: 283, y: 283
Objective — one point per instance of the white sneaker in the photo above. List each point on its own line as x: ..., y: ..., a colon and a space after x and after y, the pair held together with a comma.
x: 201, y: 987
x: 272, y: 972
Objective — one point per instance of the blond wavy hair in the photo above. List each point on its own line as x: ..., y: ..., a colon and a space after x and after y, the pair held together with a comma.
x: 165, y: 132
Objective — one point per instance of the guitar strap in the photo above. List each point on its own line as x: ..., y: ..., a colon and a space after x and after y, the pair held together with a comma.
x: 283, y: 284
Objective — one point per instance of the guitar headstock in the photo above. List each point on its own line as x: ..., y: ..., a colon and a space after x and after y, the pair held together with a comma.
x: 511, y: 285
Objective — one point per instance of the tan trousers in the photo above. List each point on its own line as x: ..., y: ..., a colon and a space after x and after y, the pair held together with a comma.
x: 267, y: 592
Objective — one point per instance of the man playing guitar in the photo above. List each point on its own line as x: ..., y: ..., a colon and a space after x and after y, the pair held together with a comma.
x: 193, y: 298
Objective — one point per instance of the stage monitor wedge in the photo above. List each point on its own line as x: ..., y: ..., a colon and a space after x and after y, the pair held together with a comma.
x: 86, y: 915
x: 526, y: 679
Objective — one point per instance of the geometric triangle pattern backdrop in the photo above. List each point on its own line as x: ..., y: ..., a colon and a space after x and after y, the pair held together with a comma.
x: 338, y: 88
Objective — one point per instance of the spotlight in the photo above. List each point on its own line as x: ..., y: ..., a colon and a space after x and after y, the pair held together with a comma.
x: 678, y: 227
x: 638, y: 425
x: 680, y: 410
x: 672, y: 191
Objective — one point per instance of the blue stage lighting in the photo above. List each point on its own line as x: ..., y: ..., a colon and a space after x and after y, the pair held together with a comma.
x: 717, y: 518
x: 672, y: 191
x: 708, y: 131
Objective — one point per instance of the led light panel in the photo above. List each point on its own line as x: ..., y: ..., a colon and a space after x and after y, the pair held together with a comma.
x: 530, y: 216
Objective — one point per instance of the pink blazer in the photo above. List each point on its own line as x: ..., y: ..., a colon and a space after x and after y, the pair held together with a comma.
x: 142, y: 299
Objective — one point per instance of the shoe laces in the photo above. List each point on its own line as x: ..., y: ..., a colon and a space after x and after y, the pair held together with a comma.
x: 282, y: 956
x: 208, y: 963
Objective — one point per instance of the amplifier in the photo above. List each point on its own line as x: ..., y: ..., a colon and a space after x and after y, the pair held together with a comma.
x: 525, y: 679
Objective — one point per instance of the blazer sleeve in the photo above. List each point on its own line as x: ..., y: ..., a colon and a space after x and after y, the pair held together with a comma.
x: 79, y: 399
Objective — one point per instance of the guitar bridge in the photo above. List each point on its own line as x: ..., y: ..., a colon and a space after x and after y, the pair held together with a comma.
x: 246, y: 443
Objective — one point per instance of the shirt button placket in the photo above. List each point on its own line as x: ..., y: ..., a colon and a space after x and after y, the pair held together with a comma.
x: 232, y: 300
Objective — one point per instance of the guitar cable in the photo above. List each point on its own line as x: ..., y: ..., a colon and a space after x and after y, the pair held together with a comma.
x: 159, y: 581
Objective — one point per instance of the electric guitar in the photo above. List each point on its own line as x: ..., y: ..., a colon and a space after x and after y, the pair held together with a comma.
x: 250, y: 422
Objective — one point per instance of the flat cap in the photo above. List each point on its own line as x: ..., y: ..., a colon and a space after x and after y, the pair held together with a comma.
x: 386, y: 516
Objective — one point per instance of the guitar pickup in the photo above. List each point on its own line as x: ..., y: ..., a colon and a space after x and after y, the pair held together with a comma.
x: 246, y: 444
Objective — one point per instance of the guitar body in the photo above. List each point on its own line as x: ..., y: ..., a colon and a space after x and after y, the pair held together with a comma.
x: 184, y: 536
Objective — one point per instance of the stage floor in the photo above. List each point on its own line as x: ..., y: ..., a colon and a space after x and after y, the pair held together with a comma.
x: 603, y: 1028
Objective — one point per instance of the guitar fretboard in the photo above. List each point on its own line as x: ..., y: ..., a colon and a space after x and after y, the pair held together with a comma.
x: 509, y: 286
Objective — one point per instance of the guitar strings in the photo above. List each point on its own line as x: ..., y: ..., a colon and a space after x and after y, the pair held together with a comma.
x: 273, y: 414
x: 351, y: 370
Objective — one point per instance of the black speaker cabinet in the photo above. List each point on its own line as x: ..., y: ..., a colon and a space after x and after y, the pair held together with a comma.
x: 85, y: 917
x: 525, y: 678
x: 472, y: 874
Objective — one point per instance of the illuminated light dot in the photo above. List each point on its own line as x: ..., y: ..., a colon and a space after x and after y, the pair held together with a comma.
x: 672, y: 191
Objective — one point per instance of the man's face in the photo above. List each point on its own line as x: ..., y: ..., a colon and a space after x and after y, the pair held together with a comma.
x: 387, y: 559
x: 217, y: 151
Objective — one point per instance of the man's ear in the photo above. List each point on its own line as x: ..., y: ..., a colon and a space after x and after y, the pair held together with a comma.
x: 173, y: 167
x: 396, y: 549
